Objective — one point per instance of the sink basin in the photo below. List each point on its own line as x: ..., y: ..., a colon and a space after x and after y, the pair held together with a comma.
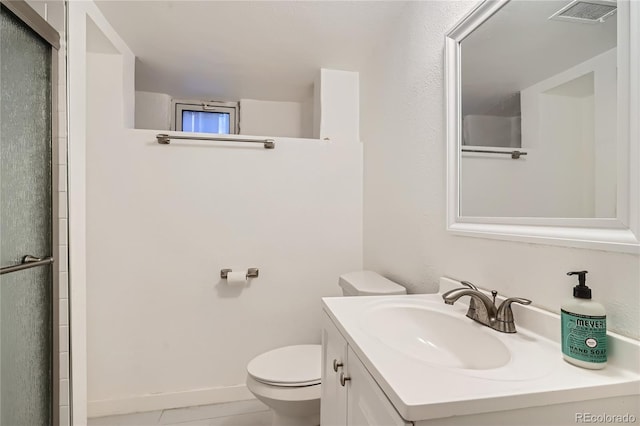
x: 431, y: 334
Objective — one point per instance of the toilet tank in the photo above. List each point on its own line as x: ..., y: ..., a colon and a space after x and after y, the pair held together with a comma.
x: 368, y: 283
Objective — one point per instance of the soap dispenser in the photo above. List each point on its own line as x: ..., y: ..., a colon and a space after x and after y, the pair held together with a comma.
x: 584, y: 328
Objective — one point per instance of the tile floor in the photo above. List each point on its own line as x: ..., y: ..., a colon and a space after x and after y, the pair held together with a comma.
x: 241, y: 413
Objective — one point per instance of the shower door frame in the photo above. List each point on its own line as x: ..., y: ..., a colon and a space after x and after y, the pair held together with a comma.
x: 40, y: 26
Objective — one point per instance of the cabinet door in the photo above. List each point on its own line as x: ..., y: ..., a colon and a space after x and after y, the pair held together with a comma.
x: 333, y: 411
x: 367, y: 404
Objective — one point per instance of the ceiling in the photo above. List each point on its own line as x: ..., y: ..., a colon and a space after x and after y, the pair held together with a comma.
x: 518, y: 47
x: 228, y: 50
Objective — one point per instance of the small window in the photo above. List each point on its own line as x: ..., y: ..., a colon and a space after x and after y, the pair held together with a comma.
x: 205, y: 117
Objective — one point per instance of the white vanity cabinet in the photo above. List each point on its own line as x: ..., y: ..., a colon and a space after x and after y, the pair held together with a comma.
x: 350, y: 396
x: 334, y: 356
x: 388, y: 381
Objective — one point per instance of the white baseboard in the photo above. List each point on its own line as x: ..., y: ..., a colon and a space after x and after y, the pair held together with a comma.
x: 162, y: 401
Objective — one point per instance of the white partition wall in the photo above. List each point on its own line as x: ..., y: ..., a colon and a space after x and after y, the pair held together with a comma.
x: 156, y: 224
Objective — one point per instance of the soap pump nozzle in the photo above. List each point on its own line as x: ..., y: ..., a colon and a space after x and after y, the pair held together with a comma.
x: 581, y: 291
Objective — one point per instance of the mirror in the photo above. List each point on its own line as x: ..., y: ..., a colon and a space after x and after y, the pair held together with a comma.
x: 537, y: 118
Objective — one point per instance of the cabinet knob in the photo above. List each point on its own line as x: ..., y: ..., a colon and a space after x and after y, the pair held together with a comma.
x: 344, y: 379
x: 336, y: 365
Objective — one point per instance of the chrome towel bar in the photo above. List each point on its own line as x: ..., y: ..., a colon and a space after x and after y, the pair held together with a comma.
x: 514, y: 154
x: 165, y: 139
x: 28, y: 261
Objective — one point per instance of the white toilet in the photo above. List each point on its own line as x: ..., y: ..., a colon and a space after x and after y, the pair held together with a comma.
x: 288, y: 379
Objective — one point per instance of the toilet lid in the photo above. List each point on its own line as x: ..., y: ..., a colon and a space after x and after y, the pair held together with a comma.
x: 289, y: 366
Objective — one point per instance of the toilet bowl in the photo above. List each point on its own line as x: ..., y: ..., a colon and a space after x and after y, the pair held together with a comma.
x: 287, y: 379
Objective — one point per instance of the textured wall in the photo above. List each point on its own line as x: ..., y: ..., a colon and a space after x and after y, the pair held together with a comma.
x: 405, y: 188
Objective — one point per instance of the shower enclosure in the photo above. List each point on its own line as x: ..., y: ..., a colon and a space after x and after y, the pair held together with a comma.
x: 28, y: 224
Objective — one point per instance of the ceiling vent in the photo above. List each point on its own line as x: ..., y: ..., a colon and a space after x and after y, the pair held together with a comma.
x: 587, y: 12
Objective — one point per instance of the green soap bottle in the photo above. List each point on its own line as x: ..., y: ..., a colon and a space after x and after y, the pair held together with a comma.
x: 584, y: 328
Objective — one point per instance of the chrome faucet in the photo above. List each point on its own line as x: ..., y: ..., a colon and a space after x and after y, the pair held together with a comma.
x: 483, y: 309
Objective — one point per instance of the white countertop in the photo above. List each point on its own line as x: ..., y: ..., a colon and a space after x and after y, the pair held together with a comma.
x: 536, y: 375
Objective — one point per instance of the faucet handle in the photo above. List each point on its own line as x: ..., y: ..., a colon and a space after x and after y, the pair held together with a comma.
x: 469, y: 284
x: 520, y: 300
x: 504, y: 315
x: 504, y: 311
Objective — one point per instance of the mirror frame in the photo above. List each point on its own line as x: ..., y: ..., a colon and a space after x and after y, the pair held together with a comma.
x: 620, y: 234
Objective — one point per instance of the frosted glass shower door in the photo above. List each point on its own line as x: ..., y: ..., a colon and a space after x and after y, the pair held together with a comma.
x: 25, y: 225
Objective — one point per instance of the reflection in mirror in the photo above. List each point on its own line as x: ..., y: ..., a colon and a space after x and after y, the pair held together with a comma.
x: 546, y: 86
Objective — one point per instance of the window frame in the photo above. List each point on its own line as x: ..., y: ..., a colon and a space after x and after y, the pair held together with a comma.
x: 231, y: 108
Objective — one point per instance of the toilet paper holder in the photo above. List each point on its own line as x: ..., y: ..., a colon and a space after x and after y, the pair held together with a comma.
x: 251, y: 273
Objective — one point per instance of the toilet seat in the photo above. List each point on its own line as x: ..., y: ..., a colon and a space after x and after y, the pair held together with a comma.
x: 290, y: 366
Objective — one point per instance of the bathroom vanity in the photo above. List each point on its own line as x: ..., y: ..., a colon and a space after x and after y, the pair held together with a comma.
x: 403, y: 360
x: 350, y: 395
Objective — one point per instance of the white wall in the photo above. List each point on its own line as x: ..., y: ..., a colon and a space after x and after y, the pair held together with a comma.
x: 153, y: 111
x: 330, y: 111
x: 257, y: 117
x: 272, y: 118
x: 162, y: 221
x: 339, y: 104
x: 405, y: 196
x: 88, y: 32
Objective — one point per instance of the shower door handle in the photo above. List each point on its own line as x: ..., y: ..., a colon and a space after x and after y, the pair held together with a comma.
x: 27, y: 262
